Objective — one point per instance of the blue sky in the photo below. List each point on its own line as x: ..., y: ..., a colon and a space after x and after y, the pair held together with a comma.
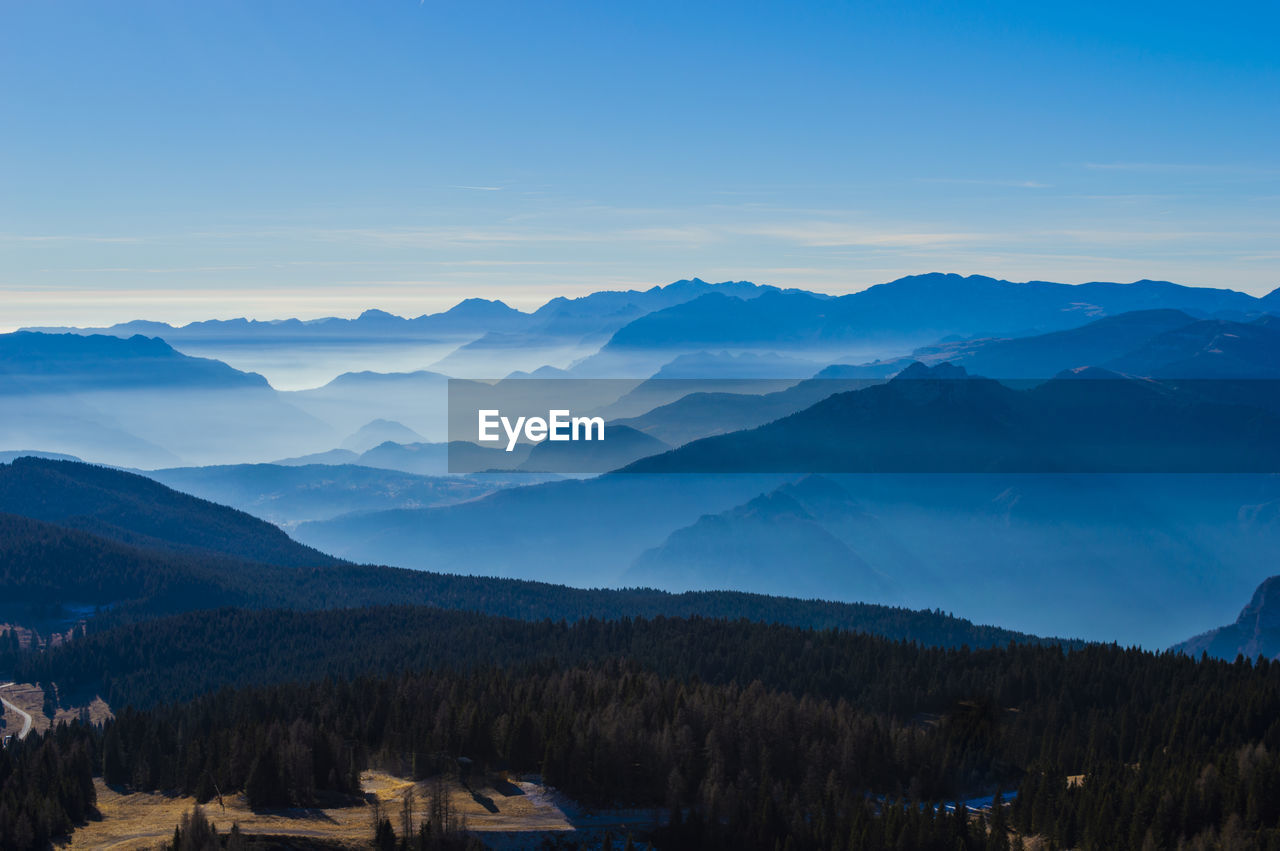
x: 177, y: 160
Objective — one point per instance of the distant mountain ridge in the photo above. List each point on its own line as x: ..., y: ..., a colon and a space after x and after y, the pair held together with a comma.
x: 565, y: 330
x: 929, y: 307
x: 470, y: 315
x: 601, y: 312
x: 109, y: 542
x: 771, y: 544
x: 139, y: 402
x: 940, y: 419
x: 138, y: 511
x: 288, y: 494
x: 1045, y: 355
x: 577, y: 532
x: 60, y: 363
x: 566, y: 317
x: 378, y: 431
x: 1210, y: 348
x: 1107, y: 557
x: 349, y: 401
x: 915, y: 310
x: 1166, y: 344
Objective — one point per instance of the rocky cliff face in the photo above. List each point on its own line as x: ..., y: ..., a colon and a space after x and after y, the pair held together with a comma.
x: 1255, y: 633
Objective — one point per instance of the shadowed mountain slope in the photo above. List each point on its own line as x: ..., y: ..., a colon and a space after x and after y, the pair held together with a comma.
x: 45, y: 566
x: 941, y: 420
x: 135, y: 510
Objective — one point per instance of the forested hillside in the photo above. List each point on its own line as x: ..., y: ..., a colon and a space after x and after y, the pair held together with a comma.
x: 135, y: 510
x: 182, y: 657
x: 115, y: 545
x: 48, y: 566
x: 836, y: 743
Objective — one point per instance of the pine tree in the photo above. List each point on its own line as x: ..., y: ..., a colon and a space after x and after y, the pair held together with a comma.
x: 385, y: 838
x: 236, y: 840
x: 264, y: 788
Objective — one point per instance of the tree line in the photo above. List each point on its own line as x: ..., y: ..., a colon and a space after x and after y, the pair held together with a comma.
x: 743, y: 734
x: 183, y: 656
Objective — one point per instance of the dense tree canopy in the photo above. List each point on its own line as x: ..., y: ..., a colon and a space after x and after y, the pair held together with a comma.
x: 745, y: 734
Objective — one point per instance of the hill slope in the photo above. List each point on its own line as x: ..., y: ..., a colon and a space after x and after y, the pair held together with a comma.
x: 135, y: 510
x: 772, y: 544
x: 123, y: 556
x: 1045, y: 355
x: 1208, y: 349
x: 941, y: 420
x: 295, y: 493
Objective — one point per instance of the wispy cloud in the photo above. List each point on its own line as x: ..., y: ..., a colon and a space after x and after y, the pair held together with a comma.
x: 497, y: 263
x: 820, y: 234
x: 1105, y: 236
x: 966, y: 181
x: 1237, y: 169
x: 143, y: 270
x: 481, y: 188
x: 70, y: 237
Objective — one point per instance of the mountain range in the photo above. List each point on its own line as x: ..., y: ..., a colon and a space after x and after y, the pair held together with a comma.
x: 913, y: 311
x: 470, y: 317
x: 775, y: 543
x: 134, y: 400
x: 940, y: 419
x: 1138, y: 559
x: 1011, y: 529
x: 286, y: 495
x: 986, y: 378
x: 692, y: 315
x: 139, y: 402
x: 116, y: 547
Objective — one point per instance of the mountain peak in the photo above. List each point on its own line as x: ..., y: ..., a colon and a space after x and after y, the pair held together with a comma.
x: 73, y: 362
x: 376, y: 315
x: 1093, y: 373
x: 480, y: 307
x: 817, y: 489
x: 1263, y: 612
x: 377, y: 432
x: 945, y: 370
x: 1256, y: 632
x: 927, y: 279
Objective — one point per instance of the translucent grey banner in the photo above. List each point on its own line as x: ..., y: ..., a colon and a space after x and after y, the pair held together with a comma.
x: 923, y: 421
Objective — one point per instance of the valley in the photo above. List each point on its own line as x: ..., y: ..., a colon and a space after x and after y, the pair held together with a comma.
x: 724, y: 634
x: 653, y: 426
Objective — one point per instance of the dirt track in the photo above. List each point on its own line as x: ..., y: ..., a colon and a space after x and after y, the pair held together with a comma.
x: 9, y: 693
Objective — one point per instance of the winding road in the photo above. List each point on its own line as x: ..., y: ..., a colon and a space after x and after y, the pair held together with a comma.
x: 26, y: 718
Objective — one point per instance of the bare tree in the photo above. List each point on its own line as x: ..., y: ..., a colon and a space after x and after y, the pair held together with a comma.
x: 406, y: 813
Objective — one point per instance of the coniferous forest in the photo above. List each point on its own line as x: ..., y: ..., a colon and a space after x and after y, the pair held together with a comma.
x: 742, y: 735
x: 639, y: 426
